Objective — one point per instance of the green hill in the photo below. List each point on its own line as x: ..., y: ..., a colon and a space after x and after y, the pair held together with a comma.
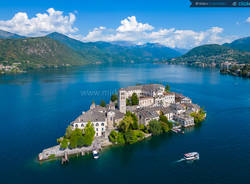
x: 33, y: 53
x: 213, y: 53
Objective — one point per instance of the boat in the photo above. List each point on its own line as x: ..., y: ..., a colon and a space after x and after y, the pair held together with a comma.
x: 192, y: 156
x: 95, y: 154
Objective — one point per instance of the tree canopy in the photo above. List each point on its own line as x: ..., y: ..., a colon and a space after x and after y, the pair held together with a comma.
x: 167, y: 88
x: 155, y: 127
x: 103, y: 103
x: 198, y: 116
x: 134, y: 99
x: 114, y: 98
x: 89, y: 134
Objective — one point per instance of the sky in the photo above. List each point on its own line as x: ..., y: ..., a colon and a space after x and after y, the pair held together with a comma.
x: 168, y: 22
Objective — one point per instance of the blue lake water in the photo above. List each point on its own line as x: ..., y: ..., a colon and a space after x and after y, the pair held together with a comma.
x: 36, y: 108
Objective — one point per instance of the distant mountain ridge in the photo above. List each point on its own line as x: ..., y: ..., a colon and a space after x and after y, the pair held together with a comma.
x: 8, y: 35
x: 56, y: 50
x: 238, y: 51
x: 110, y: 52
x: 242, y: 44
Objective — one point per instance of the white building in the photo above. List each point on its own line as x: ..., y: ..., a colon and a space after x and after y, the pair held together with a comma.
x: 102, y: 119
x: 96, y: 117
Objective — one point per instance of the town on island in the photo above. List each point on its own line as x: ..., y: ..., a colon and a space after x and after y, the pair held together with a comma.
x: 134, y: 114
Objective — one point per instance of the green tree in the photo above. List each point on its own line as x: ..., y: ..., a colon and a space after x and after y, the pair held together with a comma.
x: 113, y: 136
x: 135, y: 124
x: 80, y: 141
x: 64, y: 143
x: 73, y: 141
x: 134, y: 99
x: 68, y: 132
x: 120, y: 138
x: 89, y: 134
x: 142, y: 127
x: 114, y: 97
x: 128, y: 102
x: 198, y: 116
x: 165, y: 127
x: 103, y: 103
x: 170, y: 125
x: 163, y: 119
x: 139, y: 134
x: 155, y: 127
x: 126, y: 124
x: 130, y: 137
x: 167, y: 88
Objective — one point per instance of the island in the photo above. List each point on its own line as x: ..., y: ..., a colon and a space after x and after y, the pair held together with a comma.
x: 135, y: 113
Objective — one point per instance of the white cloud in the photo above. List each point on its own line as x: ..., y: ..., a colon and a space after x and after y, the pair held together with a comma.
x: 128, y: 30
x: 140, y: 33
x: 131, y: 24
x: 41, y: 24
x: 248, y: 20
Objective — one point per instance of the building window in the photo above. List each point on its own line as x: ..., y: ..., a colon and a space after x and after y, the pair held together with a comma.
x: 97, y: 124
x: 76, y: 125
x: 102, y: 129
x: 82, y: 125
x: 97, y: 134
x: 102, y: 124
x: 96, y: 129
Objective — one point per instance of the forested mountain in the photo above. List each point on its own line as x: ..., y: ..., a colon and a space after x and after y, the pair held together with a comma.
x: 103, y: 52
x: 42, y: 52
x: 242, y: 44
x: 213, y: 53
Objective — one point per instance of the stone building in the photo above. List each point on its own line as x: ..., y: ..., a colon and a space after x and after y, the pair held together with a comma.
x: 149, y: 90
x: 102, y: 118
x: 179, y: 98
x: 184, y: 119
x: 146, y: 101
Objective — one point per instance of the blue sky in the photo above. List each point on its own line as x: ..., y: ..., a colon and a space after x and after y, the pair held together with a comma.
x: 175, y: 17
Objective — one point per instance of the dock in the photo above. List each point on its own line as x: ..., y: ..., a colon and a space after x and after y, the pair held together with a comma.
x: 56, y: 152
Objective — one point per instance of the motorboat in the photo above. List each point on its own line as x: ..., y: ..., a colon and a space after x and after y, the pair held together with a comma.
x: 95, y: 154
x: 192, y: 156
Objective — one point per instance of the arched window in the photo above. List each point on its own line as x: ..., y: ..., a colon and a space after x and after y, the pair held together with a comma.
x: 102, y: 124
x: 76, y: 125
x: 97, y: 124
x: 82, y: 125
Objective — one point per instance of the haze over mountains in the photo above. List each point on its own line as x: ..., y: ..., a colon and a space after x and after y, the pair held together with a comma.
x: 5, y: 34
x: 56, y: 50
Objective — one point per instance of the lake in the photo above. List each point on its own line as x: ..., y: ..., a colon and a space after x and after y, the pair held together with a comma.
x: 36, y: 108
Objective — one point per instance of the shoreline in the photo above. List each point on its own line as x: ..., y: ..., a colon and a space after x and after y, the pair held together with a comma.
x: 45, y: 155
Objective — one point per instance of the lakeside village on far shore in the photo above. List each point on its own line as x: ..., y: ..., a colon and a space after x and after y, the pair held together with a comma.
x: 136, y: 113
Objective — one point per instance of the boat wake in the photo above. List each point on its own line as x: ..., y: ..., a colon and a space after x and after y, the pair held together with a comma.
x: 181, y: 160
